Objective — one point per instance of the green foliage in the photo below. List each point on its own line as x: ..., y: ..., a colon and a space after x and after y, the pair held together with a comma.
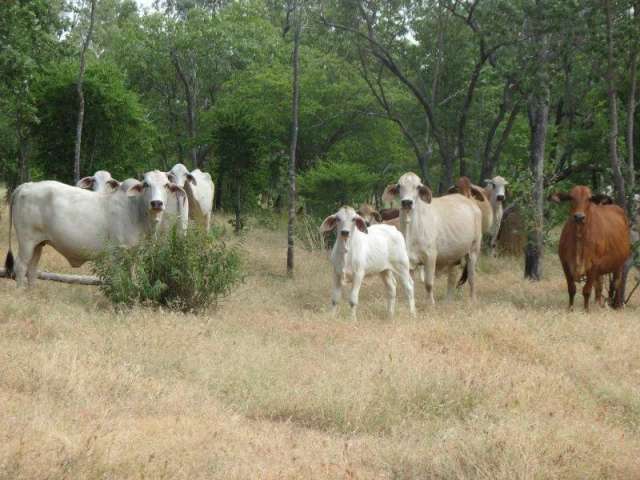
x: 182, y: 272
x: 332, y: 184
x: 116, y: 134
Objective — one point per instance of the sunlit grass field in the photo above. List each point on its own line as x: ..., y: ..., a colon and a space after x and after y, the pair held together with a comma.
x: 270, y: 386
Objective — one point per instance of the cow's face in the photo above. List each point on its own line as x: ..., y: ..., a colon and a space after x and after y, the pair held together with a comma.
x: 371, y: 215
x: 180, y: 175
x: 156, y: 190
x: 497, y: 187
x: 581, y: 200
x: 101, y: 181
x: 344, y: 221
x: 408, y: 190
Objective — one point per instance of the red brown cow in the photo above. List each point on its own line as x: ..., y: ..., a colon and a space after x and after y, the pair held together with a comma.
x: 594, y: 242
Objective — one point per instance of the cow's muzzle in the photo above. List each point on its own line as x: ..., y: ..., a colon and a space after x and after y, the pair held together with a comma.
x: 579, y: 218
x: 157, y: 205
x: 407, y: 204
x: 344, y: 234
x: 500, y: 198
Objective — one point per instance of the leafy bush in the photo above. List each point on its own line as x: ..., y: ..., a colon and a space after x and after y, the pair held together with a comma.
x: 183, y: 272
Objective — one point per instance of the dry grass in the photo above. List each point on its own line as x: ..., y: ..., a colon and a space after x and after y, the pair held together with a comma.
x: 269, y: 386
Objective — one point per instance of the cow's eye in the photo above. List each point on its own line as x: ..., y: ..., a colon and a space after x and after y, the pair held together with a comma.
x: 145, y: 185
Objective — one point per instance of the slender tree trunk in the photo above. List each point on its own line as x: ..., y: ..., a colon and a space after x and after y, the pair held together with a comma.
x: 294, y: 136
x: 631, y: 110
x: 446, y: 177
x: 190, y: 96
x: 618, y: 179
x: 22, y: 151
x: 236, y: 207
x: 539, y: 120
x: 85, y: 46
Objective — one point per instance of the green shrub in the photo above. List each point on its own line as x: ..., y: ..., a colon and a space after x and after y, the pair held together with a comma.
x: 182, y: 272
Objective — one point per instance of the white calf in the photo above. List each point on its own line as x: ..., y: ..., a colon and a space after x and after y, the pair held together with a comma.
x: 360, y: 251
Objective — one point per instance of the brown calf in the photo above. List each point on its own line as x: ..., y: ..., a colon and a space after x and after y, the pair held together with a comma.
x: 594, y: 242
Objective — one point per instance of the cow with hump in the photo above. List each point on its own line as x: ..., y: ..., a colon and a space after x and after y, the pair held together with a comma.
x: 79, y: 224
x: 440, y: 232
x: 200, y: 190
x: 361, y: 251
x: 594, y: 242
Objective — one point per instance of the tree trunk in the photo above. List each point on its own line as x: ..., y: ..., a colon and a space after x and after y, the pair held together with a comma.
x: 631, y: 107
x: 294, y: 137
x: 22, y: 151
x: 85, y: 46
x: 616, y: 171
x: 190, y: 97
x: 446, y: 177
x: 236, y: 207
x: 539, y: 119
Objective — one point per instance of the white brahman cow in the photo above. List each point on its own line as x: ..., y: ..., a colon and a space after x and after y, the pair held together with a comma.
x: 496, y: 193
x: 200, y: 190
x: 439, y: 232
x: 360, y: 251
x: 100, y: 182
x: 79, y: 224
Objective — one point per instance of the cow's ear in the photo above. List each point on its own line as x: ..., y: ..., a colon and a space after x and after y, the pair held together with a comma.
x: 179, y: 191
x: 171, y: 176
x: 135, y: 190
x: 425, y: 193
x: 453, y: 189
x: 86, y: 183
x: 601, y: 199
x: 478, y: 194
x: 377, y: 216
x: 360, y: 223
x: 558, y: 197
x: 192, y: 179
x: 390, y: 193
x: 114, y: 184
x: 328, y: 224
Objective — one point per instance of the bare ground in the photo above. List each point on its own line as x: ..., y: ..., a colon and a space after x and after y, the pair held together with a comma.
x: 270, y: 386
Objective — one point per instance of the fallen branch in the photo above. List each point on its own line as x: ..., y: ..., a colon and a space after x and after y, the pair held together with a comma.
x: 61, y: 277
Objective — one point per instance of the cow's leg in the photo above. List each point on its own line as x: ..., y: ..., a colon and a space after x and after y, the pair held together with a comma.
x: 618, y: 301
x: 472, y: 261
x: 407, y: 285
x: 336, y: 293
x: 390, y: 281
x: 207, y: 224
x: 429, y: 276
x: 355, y: 292
x: 598, y: 290
x: 571, y: 284
x: 32, y: 267
x: 23, y: 261
x: 451, y: 281
x: 586, y: 290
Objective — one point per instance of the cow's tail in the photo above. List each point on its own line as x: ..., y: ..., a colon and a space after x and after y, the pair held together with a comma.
x: 9, y: 262
x: 465, y: 274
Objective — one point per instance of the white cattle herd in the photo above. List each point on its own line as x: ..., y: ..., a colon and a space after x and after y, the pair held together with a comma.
x: 432, y: 234
x: 426, y: 234
x: 80, y: 221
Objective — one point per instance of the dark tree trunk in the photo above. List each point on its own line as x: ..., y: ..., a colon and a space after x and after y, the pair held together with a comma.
x: 190, y: 96
x: 539, y: 119
x: 85, y: 46
x: 218, y: 192
x: 446, y: 177
x: 295, y: 100
x: 23, y: 159
x: 631, y: 104
x: 616, y: 171
x: 237, y: 208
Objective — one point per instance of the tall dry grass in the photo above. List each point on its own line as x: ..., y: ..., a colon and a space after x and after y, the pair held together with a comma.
x: 270, y: 386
